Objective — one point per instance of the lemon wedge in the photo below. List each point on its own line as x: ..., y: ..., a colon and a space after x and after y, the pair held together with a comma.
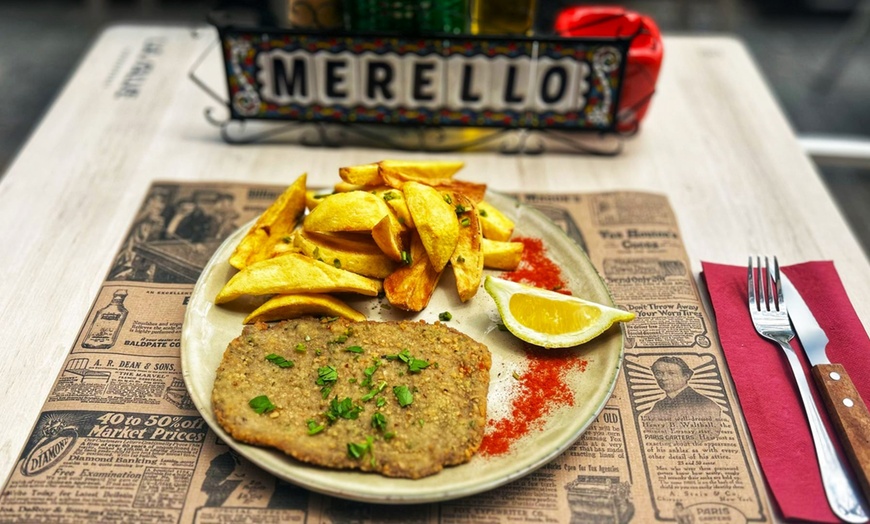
x: 549, y: 319
x: 283, y: 307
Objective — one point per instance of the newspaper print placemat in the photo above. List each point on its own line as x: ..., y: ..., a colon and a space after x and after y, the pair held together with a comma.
x: 118, y: 437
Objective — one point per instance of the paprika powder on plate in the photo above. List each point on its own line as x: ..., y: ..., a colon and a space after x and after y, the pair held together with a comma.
x: 535, y: 268
x: 542, y: 387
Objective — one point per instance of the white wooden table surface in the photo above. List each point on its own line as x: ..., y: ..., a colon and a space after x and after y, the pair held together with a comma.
x: 715, y: 142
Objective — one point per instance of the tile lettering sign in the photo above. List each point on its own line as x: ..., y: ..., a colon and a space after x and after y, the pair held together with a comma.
x: 563, y: 83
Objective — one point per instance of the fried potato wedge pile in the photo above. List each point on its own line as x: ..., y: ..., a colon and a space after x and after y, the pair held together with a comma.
x: 392, y: 226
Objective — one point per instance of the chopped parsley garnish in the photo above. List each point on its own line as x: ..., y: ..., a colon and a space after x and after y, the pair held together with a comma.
x: 300, y: 347
x: 389, y: 195
x: 460, y: 259
x: 368, y: 372
x: 460, y: 209
x: 465, y: 222
x: 379, y: 421
x: 322, y: 195
x: 415, y: 365
x: 286, y: 239
x: 279, y: 361
x: 314, y: 428
x: 345, y: 409
x: 354, y: 349
x: 261, y: 404
x: 326, y: 377
x: 445, y: 316
x: 381, y: 401
x: 448, y: 199
x: 337, y: 263
x: 403, y: 395
x: 326, y: 374
x: 356, y: 451
x: 482, y: 212
x: 374, y: 391
x: 406, y: 258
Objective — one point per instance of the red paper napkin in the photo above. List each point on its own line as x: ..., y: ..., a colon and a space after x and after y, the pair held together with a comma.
x: 766, y: 387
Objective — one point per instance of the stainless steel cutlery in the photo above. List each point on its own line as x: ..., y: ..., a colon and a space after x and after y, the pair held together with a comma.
x: 843, y: 403
x: 770, y: 316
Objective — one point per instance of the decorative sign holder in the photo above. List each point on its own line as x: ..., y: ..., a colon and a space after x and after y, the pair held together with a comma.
x: 431, y: 93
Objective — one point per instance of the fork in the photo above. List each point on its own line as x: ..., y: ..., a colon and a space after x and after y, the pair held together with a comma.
x: 770, y: 317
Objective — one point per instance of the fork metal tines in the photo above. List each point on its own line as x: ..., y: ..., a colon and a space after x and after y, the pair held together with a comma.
x: 766, y: 282
x: 769, y: 314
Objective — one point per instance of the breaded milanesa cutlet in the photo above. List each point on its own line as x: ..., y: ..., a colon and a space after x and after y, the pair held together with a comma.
x: 403, y: 399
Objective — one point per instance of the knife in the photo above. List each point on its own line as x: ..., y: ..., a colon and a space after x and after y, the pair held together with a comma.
x: 842, y: 401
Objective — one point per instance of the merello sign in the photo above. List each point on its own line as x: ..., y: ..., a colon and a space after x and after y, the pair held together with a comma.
x: 451, y: 81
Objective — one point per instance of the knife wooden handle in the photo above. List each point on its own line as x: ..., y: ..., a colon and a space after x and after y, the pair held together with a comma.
x: 850, y: 417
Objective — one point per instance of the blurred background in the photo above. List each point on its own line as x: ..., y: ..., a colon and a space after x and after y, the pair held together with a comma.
x: 815, y: 55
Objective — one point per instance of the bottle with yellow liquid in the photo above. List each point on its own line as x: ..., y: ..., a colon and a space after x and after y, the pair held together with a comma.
x: 497, y: 17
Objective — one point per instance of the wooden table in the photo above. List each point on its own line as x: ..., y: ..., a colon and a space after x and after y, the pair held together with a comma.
x: 715, y: 143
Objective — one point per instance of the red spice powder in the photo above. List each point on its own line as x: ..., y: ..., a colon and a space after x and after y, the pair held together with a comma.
x: 535, y: 269
x: 541, y: 389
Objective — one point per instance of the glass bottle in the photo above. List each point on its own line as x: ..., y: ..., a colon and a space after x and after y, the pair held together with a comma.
x: 497, y: 17
x: 107, y: 323
x: 412, y: 17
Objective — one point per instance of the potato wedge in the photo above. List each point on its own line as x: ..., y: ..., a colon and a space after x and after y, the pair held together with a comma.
x: 501, y: 255
x: 396, y: 200
x: 435, y: 221
x: 419, y: 170
x: 363, y: 175
x: 295, y: 273
x: 283, y: 307
x: 344, y: 187
x: 360, y: 255
x: 312, y: 198
x: 389, y: 235
x: 343, y: 212
x: 410, y: 287
x: 287, y: 245
x: 397, y: 179
x: 249, y: 247
x: 496, y: 226
x: 472, y: 190
x: 467, y: 259
x: 272, y: 227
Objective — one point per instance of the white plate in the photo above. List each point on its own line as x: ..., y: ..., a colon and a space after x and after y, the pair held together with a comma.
x: 209, y: 328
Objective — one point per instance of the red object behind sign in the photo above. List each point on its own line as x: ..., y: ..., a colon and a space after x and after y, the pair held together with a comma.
x: 644, y: 54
